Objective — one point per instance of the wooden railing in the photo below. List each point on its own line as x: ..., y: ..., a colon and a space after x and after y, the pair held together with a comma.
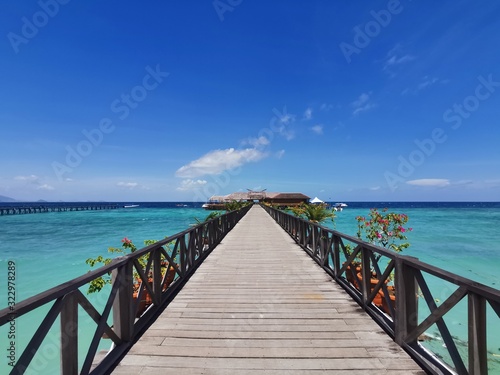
x: 120, y: 319
x: 383, y: 273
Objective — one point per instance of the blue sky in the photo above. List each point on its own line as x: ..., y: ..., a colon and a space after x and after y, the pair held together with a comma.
x: 179, y: 100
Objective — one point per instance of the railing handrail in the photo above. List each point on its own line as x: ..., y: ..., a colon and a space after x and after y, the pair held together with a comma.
x: 189, y: 245
x: 477, y: 287
x: 326, y: 246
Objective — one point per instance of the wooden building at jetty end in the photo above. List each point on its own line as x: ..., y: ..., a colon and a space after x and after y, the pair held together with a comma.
x: 217, y: 202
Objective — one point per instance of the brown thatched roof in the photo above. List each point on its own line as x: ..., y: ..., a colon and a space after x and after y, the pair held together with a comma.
x: 248, y: 196
x: 284, y: 196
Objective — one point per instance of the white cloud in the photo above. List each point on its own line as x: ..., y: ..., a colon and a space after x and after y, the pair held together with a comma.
x: 280, y: 154
x: 317, y: 129
x: 257, y: 142
x: 287, y: 118
x: 190, y: 184
x: 430, y: 182
x: 364, y: 108
x: 308, y: 114
x: 284, y: 120
x: 363, y: 98
x: 427, y: 81
x: 362, y: 103
x: 45, y: 187
x: 375, y: 188
x: 128, y: 185
x: 217, y: 161
x: 395, y: 60
x: 31, y: 178
x: 36, y: 181
x: 288, y: 134
x: 326, y: 107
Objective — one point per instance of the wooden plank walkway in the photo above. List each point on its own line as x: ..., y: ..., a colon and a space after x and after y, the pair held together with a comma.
x: 260, y: 305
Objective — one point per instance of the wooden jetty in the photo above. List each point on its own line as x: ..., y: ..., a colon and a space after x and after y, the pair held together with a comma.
x: 260, y: 305
x: 35, y: 209
x: 252, y: 292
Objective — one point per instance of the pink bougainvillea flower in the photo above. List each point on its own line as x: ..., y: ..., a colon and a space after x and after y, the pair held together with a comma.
x: 126, y: 240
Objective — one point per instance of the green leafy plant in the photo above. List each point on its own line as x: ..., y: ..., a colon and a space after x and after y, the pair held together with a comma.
x: 385, y: 229
x: 388, y: 230
x: 127, y: 247
x: 316, y: 213
x: 235, y: 205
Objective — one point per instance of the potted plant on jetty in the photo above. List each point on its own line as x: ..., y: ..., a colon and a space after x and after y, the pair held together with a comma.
x: 128, y: 247
x: 385, y: 229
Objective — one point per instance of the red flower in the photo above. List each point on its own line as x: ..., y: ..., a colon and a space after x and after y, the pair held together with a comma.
x: 126, y: 240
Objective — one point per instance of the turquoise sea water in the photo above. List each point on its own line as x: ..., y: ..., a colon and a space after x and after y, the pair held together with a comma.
x: 51, y: 248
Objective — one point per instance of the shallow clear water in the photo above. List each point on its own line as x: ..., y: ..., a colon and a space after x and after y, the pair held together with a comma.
x: 51, y: 248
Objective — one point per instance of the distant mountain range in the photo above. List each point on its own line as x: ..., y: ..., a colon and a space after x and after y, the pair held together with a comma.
x: 6, y: 199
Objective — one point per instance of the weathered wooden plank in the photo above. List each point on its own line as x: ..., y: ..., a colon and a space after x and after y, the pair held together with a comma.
x: 254, y: 363
x: 341, y: 326
x: 259, y: 306
x: 167, y: 333
x: 250, y: 309
x: 198, y: 371
x: 239, y: 352
x: 330, y: 342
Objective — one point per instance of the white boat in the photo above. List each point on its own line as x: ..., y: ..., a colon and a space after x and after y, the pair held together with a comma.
x: 130, y: 205
x: 339, y: 206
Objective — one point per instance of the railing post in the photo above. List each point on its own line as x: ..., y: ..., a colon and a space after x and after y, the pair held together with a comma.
x: 157, y: 278
x: 366, y: 274
x: 69, y: 335
x: 123, y: 314
x: 406, y: 312
x: 478, y: 352
x: 314, y: 239
x: 336, y: 256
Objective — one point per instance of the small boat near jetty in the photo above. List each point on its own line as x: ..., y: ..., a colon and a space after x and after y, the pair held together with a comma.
x: 130, y: 205
x: 339, y: 206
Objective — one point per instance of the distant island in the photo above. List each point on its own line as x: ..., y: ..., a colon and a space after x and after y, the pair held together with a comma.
x: 7, y: 199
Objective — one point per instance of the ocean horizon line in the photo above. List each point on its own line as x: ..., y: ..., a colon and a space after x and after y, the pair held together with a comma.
x: 174, y: 201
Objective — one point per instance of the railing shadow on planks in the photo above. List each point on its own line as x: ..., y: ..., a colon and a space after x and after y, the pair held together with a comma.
x: 117, y: 320
x: 383, y: 272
